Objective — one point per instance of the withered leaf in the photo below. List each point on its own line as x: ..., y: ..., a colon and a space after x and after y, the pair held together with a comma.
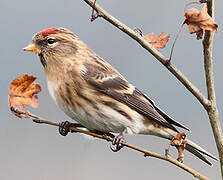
x: 157, y: 42
x: 179, y: 141
x: 198, y: 21
x: 23, y: 92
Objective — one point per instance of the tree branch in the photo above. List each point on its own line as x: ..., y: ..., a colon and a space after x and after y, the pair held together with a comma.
x: 208, y: 67
x: 208, y: 103
x: 131, y: 146
x: 161, y: 58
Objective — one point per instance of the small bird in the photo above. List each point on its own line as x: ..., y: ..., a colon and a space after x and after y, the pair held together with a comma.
x: 90, y: 91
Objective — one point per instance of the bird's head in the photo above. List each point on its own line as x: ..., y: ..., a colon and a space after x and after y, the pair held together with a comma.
x: 53, y: 45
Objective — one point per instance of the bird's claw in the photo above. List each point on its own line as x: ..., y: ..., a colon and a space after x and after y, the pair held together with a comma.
x: 117, y: 143
x: 64, y: 128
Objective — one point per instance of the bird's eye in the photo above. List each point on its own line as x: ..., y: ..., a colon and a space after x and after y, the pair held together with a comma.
x: 51, y: 41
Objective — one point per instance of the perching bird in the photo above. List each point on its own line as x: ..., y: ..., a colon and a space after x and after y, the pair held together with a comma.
x: 90, y: 91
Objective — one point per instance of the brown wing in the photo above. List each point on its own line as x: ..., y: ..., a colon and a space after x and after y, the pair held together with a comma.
x: 117, y: 87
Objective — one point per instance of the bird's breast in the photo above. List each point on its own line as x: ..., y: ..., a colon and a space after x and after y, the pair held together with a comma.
x: 52, y: 88
x: 96, y: 114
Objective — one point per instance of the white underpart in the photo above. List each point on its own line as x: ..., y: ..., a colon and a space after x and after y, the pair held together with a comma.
x: 52, y: 87
x: 115, y: 122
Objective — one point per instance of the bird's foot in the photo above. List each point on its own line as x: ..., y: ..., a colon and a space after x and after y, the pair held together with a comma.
x: 64, y: 127
x: 117, y: 142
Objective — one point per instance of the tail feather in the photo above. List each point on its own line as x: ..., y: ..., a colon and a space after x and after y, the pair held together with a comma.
x: 199, y: 152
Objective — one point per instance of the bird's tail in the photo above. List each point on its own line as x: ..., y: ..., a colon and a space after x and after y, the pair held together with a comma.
x: 199, y: 152
x: 191, y: 147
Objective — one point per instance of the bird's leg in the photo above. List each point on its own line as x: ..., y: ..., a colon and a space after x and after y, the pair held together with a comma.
x: 64, y: 127
x: 117, y: 140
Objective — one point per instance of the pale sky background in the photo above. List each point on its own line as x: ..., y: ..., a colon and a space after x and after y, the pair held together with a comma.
x: 38, y: 152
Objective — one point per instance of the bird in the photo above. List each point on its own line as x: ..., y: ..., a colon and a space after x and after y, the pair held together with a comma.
x: 93, y: 93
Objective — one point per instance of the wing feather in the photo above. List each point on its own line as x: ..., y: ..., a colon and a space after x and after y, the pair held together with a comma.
x: 116, y: 86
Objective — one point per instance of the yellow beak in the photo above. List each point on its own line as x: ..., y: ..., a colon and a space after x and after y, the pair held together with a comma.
x: 33, y: 48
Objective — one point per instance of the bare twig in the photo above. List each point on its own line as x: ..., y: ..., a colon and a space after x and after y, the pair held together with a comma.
x: 191, y: 3
x: 175, y: 40
x: 93, y: 14
x: 195, y: 2
x: 208, y: 66
x: 131, y: 146
x: 160, y: 57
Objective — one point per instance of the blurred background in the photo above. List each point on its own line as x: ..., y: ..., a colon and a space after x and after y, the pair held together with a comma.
x: 32, y: 151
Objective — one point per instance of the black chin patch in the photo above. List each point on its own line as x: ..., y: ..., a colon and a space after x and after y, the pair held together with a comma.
x: 42, y: 59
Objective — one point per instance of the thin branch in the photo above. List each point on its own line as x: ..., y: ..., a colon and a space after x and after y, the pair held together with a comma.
x: 131, y: 146
x: 160, y: 57
x: 208, y: 67
x: 175, y: 40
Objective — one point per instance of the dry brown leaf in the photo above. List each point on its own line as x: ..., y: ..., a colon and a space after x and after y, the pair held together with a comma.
x: 198, y: 21
x: 157, y: 42
x: 23, y: 92
x: 179, y: 141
